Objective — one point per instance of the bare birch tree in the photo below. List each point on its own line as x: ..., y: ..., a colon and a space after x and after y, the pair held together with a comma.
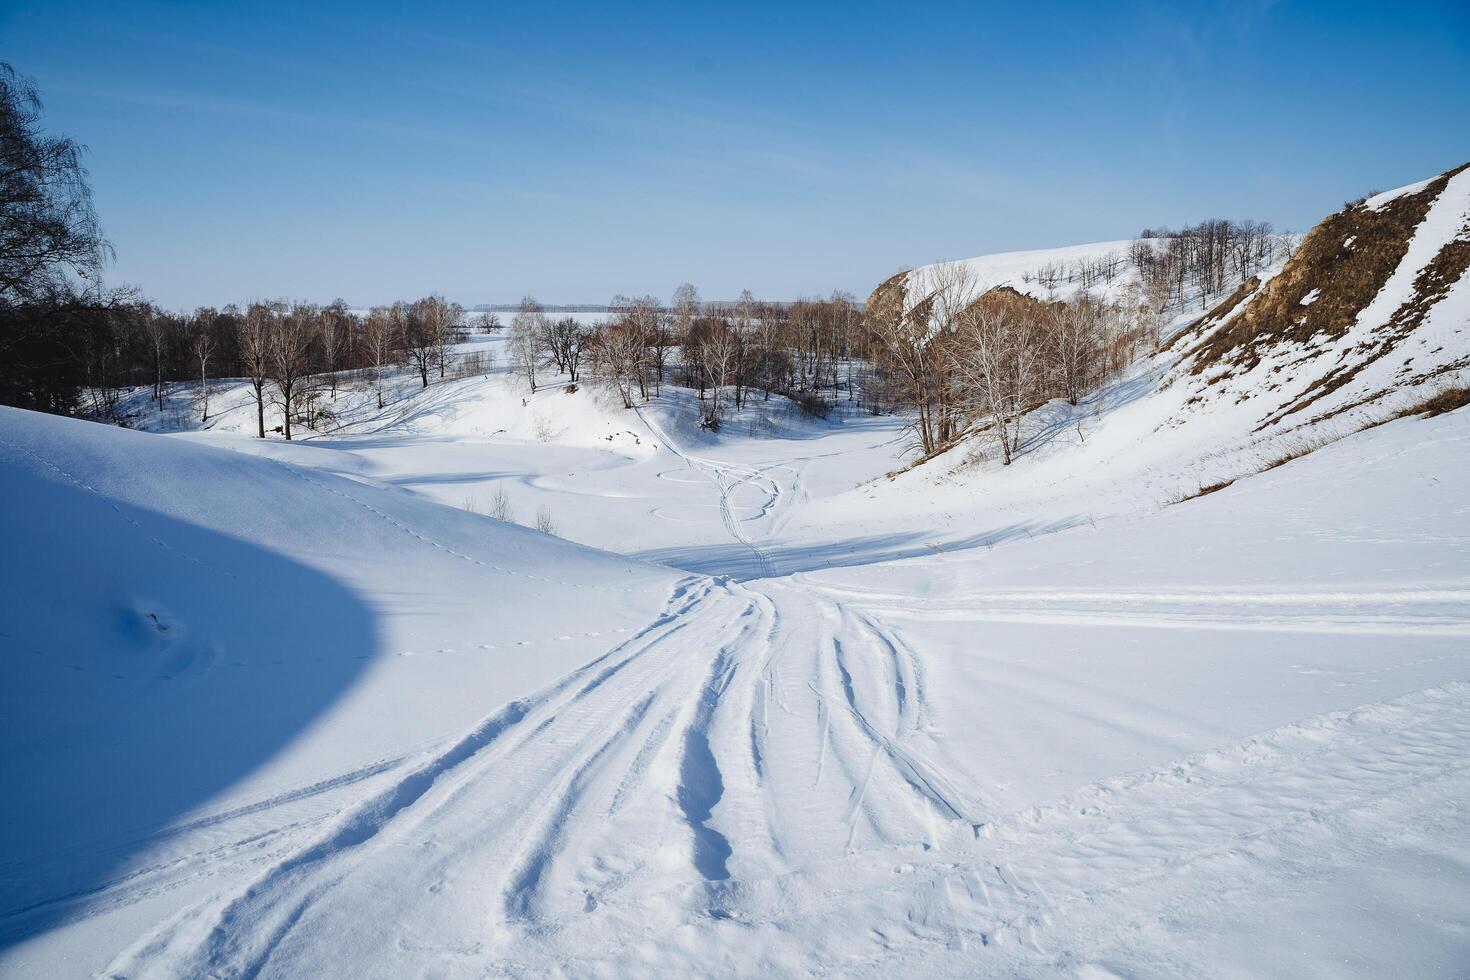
x: 254, y: 329
x: 527, y: 334
x: 202, y: 348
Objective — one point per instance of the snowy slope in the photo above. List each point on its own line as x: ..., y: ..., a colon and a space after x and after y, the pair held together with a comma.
x: 1155, y: 748
x: 193, y: 634
x: 1370, y: 315
x: 1371, y: 312
x: 1020, y: 271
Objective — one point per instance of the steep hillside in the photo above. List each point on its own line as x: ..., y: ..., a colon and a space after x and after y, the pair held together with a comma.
x: 1372, y: 308
x: 1367, y: 319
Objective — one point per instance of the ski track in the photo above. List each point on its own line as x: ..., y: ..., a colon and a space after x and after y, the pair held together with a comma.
x: 745, y: 745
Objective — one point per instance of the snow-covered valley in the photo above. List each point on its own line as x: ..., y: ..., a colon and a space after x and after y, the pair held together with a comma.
x: 303, y: 714
x: 794, y: 490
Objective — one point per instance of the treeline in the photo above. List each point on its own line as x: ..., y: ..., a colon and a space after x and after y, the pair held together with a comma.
x: 1207, y: 256
x: 812, y: 350
x: 291, y: 352
x: 964, y: 359
x: 1204, y: 258
x: 959, y: 360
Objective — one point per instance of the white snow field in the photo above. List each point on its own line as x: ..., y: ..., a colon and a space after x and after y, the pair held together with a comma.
x: 262, y: 720
x: 294, y: 710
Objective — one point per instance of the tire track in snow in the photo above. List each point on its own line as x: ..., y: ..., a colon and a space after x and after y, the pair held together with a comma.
x: 249, y: 925
x: 1041, y: 890
x: 860, y: 744
x: 722, y: 475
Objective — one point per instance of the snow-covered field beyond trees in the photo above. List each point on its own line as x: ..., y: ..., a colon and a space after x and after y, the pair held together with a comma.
x: 307, y: 709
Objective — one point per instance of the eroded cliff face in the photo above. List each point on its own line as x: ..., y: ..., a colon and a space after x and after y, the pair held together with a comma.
x: 1374, y: 299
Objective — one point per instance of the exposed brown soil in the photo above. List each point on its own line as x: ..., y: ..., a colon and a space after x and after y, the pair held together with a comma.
x: 1215, y: 315
x: 1430, y: 286
x: 1434, y: 281
x: 1008, y: 300
x: 1347, y: 259
x: 886, y: 302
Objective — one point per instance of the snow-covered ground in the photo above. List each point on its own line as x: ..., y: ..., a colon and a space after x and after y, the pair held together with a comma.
x: 306, y: 709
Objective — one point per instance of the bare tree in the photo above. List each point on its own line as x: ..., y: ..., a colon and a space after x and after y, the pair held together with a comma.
x: 254, y: 331
x: 380, y: 336
x: 912, y: 345
x: 902, y: 342
x: 428, y: 334
x: 566, y: 339
x: 289, y: 356
x: 641, y: 317
x: 203, y: 348
x: 48, y: 228
x: 333, y: 332
x: 1075, y: 340
x: 998, y: 366
x: 527, y: 336
x: 617, y: 352
x: 685, y: 306
x: 721, y: 349
x: 1154, y: 303
x: 159, y: 331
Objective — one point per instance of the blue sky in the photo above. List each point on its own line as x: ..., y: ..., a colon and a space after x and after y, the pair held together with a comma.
x: 377, y: 151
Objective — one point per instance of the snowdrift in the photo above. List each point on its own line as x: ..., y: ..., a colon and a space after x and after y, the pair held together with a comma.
x: 189, y: 631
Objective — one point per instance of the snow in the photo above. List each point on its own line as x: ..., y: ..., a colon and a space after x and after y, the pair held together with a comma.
x: 1448, y: 218
x: 1018, y: 271
x: 1377, y: 201
x: 293, y: 709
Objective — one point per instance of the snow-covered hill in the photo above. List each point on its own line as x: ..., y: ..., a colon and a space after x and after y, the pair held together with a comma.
x: 1368, y: 318
x: 1371, y: 312
x: 194, y: 636
x: 1044, y: 274
x: 1027, y: 272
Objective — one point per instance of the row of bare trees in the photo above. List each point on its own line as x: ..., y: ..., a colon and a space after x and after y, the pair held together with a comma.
x: 1208, y: 257
x: 810, y: 350
x: 965, y: 358
x: 291, y: 353
x: 303, y: 350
